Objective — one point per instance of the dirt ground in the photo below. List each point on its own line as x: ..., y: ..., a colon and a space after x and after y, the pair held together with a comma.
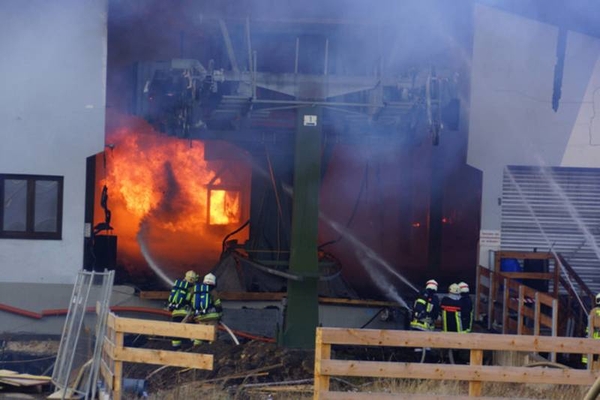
x: 251, y: 363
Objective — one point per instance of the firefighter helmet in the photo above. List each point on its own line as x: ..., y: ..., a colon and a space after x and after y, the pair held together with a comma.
x: 598, y: 299
x: 454, y: 289
x: 210, y: 279
x: 191, y: 276
x: 464, y: 288
x: 431, y: 284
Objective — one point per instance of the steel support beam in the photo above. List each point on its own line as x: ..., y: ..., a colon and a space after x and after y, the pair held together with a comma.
x: 302, y: 311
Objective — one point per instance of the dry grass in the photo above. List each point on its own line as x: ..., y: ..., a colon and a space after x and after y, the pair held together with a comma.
x: 197, y: 390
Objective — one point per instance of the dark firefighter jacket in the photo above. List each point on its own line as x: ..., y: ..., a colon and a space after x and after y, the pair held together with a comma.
x: 426, y: 311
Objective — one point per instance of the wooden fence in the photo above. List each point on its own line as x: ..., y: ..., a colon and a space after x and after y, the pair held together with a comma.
x: 510, y: 304
x: 115, y: 353
x: 475, y: 372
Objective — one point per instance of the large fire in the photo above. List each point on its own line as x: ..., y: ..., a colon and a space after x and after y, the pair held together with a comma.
x: 170, y: 208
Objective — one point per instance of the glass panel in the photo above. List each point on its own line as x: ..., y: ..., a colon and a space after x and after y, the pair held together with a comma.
x: 15, y: 205
x: 46, y: 201
x: 225, y: 207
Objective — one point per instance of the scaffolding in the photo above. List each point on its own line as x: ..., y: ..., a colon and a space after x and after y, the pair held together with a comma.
x: 77, y: 363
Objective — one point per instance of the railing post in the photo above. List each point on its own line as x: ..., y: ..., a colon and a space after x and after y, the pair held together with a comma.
x: 476, y: 358
x: 506, y: 299
x: 537, y: 312
x: 590, y: 333
x: 478, y: 292
x: 322, y: 352
x: 520, y: 319
x: 554, y: 325
x: 118, y: 379
x: 491, y: 299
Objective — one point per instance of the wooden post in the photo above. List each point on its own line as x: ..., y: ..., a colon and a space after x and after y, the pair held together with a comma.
x: 520, y: 319
x: 476, y: 358
x: 491, y: 299
x: 322, y: 352
x: 590, y: 334
x: 554, y: 325
x: 556, y: 275
x: 506, y: 299
x: 537, y: 312
x: 118, y: 371
x: 478, y: 292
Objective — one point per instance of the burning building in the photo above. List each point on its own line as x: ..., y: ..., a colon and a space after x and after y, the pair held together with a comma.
x: 430, y: 125
x: 169, y: 206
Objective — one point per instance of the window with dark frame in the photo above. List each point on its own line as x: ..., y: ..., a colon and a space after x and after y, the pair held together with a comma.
x: 31, y: 206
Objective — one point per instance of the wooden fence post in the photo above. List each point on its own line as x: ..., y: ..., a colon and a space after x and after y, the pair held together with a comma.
x: 536, y: 315
x: 322, y: 352
x: 477, y: 310
x: 520, y: 318
x: 118, y: 377
x: 475, y: 386
x: 505, y: 315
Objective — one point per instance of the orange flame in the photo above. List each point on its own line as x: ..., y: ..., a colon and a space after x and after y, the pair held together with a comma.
x: 162, y: 183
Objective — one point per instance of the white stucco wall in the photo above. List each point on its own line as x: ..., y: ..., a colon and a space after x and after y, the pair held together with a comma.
x: 584, y: 142
x: 511, y: 117
x: 52, y: 108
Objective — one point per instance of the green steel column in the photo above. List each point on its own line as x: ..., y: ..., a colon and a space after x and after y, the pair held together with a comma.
x: 302, y: 312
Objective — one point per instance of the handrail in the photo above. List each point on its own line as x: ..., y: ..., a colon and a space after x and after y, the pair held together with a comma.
x: 495, y: 279
x: 572, y: 274
x: 514, y: 292
x: 475, y: 372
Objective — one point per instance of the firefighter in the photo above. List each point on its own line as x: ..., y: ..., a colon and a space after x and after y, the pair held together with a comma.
x: 451, y: 310
x: 596, y: 332
x: 425, y: 312
x: 426, y: 308
x: 179, y: 301
x: 466, y: 307
x: 452, y: 318
x: 206, y: 304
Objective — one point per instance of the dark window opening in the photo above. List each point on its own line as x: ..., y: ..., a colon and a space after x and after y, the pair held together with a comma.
x: 31, y: 206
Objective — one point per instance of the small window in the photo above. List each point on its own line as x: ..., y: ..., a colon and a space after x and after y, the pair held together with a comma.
x: 31, y: 206
x: 224, y: 206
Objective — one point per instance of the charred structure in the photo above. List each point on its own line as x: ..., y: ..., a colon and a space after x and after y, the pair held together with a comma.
x: 393, y: 180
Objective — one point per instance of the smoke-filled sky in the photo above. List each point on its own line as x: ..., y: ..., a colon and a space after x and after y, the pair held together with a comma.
x: 363, y: 38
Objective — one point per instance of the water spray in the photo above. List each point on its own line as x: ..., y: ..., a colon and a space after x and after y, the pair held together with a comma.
x: 541, y: 228
x: 146, y: 253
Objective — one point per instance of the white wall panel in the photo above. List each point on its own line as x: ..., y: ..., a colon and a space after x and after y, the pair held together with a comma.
x: 511, y: 117
x: 52, y: 107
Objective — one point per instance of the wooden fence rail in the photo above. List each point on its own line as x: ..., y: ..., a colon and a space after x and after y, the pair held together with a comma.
x: 475, y: 373
x: 507, y: 297
x: 115, y: 353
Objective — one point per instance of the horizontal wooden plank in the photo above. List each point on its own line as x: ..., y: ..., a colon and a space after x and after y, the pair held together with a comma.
x: 528, y: 312
x: 451, y: 340
x: 231, y: 296
x: 164, y: 357
x: 357, y: 302
x: 543, y: 298
x: 163, y: 328
x: 107, y: 375
x: 522, y: 255
x: 5, y: 373
x: 377, y: 369
x: 18, y: 381
x: 386, y: 396
x: 109, y: 348
x: 527, y: 275
x: 276, y: 296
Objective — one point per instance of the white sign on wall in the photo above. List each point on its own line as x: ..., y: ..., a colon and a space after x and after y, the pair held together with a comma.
x: 489, y: 238
x: 310, y: 120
